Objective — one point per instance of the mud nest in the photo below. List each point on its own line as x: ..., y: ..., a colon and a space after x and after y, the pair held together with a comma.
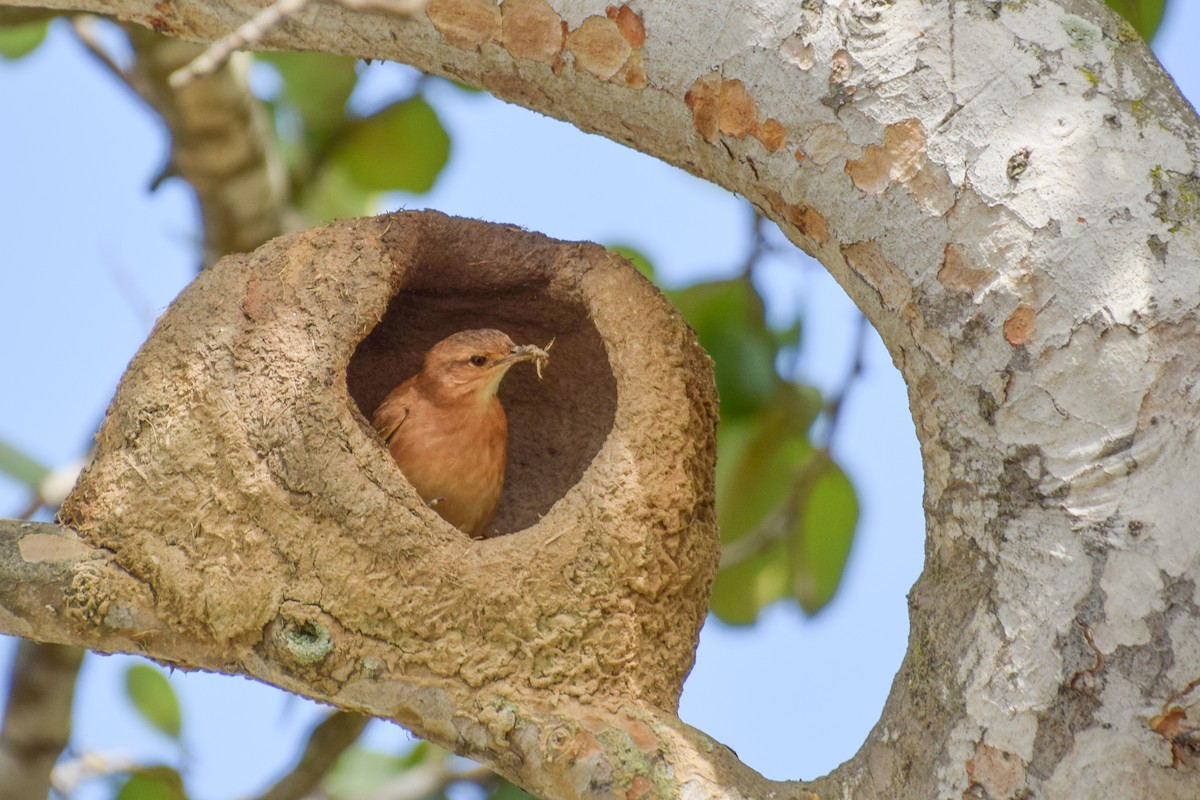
x: 237, y: 476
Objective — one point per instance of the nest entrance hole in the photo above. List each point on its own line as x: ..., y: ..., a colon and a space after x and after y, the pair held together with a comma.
x: 555, y: 426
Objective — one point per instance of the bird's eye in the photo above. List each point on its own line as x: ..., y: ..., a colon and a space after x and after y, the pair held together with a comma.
x: 477, y: 360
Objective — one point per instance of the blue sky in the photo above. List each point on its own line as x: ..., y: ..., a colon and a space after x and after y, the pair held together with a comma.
x: 91, y: 257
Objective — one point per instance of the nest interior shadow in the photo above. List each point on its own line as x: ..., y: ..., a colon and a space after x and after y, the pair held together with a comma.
x: 556, y: 425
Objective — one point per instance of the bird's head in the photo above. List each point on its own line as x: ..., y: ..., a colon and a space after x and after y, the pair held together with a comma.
x: 472, y: 363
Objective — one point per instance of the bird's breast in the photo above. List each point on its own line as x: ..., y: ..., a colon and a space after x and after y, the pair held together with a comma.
x: 455, y: 457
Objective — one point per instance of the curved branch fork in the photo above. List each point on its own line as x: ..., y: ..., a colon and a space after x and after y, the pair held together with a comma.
x: 237, y: 479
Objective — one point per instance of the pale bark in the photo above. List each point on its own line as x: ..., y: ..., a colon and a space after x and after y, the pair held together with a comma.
x: 1009, y: 192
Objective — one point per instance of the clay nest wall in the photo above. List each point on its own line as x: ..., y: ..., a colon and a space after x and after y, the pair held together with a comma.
x: 237, y: 476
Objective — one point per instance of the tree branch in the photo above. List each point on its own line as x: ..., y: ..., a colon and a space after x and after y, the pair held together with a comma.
x: 1020, y: 228
x: 330, y: 738
x: 51, y: 589
x: 37, y: 719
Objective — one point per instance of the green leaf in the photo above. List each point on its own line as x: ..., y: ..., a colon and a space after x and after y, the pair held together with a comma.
x: 333, y: 195
x: 636, y: 256
x: 18, y: 41
x: 728, y: 319
x: 23, y: 468
x: 819, y: 543
x: 1144, y: 15
x: 402, y: 147
x: 359, y: 771
x: 154, y: 699
x: 741, y: 590
x: 758, y: 457
x: 153, y: 783
x: 316, y: 86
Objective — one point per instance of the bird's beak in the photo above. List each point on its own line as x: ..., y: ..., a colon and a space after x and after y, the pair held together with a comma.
x: 539, y: 356
x: 518, y: 353
x: 528, y: 352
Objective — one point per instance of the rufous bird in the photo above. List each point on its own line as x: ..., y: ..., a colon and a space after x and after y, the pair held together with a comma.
x: 446, y: 428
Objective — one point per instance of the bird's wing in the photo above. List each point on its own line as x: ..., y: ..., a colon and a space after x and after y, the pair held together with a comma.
x: 386, y: 422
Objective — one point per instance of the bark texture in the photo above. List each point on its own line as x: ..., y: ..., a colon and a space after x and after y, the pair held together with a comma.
x: 1009, y: 191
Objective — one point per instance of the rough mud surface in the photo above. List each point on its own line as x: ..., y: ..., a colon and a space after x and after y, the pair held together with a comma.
x: 237, y: 476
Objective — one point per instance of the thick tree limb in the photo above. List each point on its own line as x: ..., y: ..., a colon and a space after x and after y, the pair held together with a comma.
x: 556, y: 751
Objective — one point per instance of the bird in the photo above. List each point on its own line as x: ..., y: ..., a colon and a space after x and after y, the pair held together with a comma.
x: 446, y: 429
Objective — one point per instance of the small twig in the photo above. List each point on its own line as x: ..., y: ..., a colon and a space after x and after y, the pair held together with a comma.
x: 779, y: 522
x: 328, y: 740
x: 262, y: 23
x: 430, y: 778
x: 758, y: 244
x: 69, y: 774
x: 857, y: 366
x: 28, y: 511
x: 249, y: 32
x: 84, y: 27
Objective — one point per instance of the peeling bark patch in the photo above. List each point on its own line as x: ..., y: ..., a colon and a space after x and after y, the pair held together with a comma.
x: 772, y: 135
x: 840, y: 67
x: 725, y: 106
x: 1179, y: 724
x: 866, y: 258
x: 899, y: 158
x: 599, y: 47
x: 630, y: 25
x: 607, y: 48
x: 638, y: 786
x: 806, y: 219
x: 827, y: 142
x: 958, y: 274
x: 736, y: 112
x: 40, y: 547
x: 702, y: 99
x: 466, y: 24
x: 532, y: 30
x: 795, y: 51
x: 1019, y: 325
x: 998, y: 773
